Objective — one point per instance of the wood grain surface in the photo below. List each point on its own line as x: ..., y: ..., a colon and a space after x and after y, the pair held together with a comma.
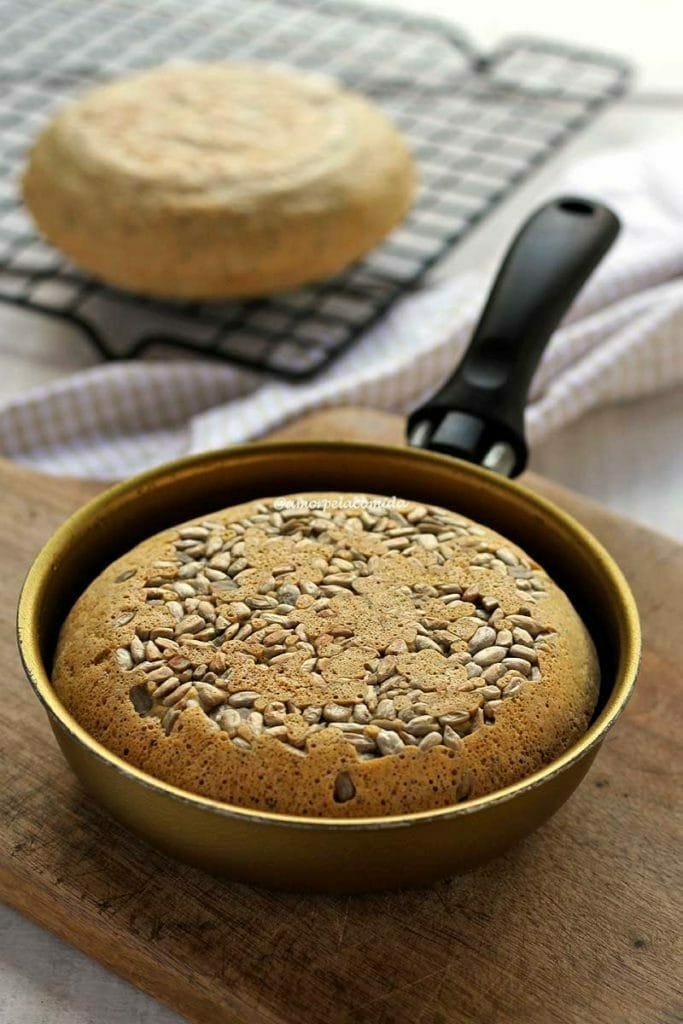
x: 578, y: 924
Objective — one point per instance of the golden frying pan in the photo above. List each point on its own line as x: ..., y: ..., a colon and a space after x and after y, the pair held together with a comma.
x: 476, y: 417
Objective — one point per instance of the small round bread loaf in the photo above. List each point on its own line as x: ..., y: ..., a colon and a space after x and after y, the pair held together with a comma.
x: 217, y: 180
x: 328, y: 655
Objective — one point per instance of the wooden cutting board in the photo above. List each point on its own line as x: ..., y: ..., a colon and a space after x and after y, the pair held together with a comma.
x: 577, y: 924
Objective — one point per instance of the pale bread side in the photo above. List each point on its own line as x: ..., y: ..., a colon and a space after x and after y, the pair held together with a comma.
x: 217, y: 180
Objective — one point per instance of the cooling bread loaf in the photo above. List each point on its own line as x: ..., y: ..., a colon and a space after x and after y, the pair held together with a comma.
x: 217, y: 180
x: 318, y: 655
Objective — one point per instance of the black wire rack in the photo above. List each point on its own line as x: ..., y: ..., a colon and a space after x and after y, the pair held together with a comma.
x: 477, y: 125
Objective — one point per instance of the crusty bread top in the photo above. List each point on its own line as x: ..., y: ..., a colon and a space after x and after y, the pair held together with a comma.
x: 223, y: 133
x: 318, y: 655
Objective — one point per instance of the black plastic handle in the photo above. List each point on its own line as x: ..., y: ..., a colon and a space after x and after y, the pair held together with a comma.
x: 478, y: 414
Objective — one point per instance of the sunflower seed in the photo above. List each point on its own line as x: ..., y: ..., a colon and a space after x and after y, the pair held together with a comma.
x: 427, y: 540
x: 451, y: 739
x: 517, y: 665
x: 243, y: 699
x: 389, y: 742
x: 193, y: 533
x: 281, y: 570
x: 137, y: 649
x: 484, y: 637
x: 169, y: 720
x: 489, y: 656
x: 168, y: 686
x: 513, y: 687
x: 361, y: 714
x: 177, y: 694
x: 209, y: 696
x: 336, y: 713
x: 527, y: 653
x: 385, y: 709
x: 455, y: 719
x: 141, y: 698
x: 527, y: 623
x: 421, y: 725
x: 124, y: 659
x: 344, y: 789
x: 152, y: 652
x: 278, y: 732
x: 190, y: 624
x: 363, y: 744
x: 126, y: 575
x: 124, y: 619
x: 432, y: 739
x: 491, y: 707
x: 425, y: 643
x: 254, y: 722
x: 489, y: 692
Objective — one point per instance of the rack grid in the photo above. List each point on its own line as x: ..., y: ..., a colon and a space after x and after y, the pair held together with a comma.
x: 478, y: 126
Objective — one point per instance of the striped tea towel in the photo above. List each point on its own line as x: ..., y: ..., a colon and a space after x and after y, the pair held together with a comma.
x: 623, y: 338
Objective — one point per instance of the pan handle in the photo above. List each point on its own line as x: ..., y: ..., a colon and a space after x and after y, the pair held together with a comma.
x: 478, y: 414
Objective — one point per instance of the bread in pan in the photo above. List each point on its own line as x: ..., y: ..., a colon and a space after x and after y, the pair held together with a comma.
x: 217, y: 180
x: 324, y: 655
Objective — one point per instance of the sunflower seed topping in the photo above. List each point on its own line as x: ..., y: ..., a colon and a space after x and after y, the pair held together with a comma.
x: 289, y: 624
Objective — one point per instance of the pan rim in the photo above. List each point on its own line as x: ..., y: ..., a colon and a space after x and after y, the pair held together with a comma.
x: 28, y: 618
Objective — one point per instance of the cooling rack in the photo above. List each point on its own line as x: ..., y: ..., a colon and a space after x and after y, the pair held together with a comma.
x: 478, y: 125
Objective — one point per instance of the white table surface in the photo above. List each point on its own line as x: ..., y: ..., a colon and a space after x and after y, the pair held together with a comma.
x: 628, y: 457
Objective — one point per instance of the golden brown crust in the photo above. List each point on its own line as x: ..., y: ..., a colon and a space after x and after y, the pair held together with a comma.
x: 217, y: 180
x: 452, y: 661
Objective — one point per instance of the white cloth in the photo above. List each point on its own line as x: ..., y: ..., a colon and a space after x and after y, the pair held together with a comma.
x: 623, y: 338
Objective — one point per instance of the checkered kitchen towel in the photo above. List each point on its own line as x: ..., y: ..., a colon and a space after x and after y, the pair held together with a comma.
x: 623, y: 338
